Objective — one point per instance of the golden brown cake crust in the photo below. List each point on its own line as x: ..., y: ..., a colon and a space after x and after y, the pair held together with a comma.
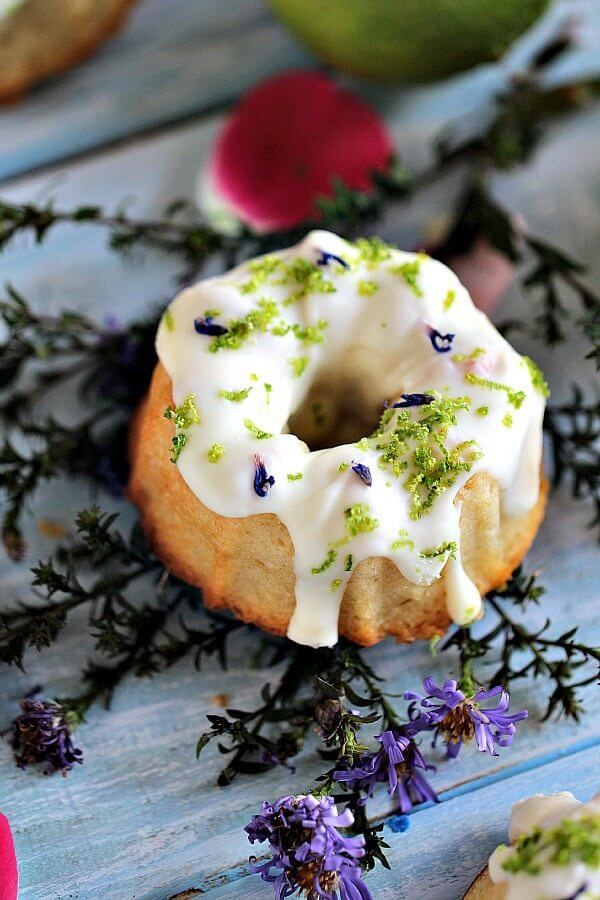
x: 483, y: 888
x: 45, y: 37
x: 246, y: 564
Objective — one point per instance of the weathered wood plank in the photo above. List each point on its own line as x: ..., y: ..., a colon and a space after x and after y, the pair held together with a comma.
x: 173, y: 60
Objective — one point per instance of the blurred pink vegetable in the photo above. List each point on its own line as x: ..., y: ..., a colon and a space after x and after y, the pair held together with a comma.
x: 285, y: 143
x: 485, y: 272
x: 9, y: 877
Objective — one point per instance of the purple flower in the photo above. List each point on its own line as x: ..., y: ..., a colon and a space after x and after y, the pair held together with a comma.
x: 326, y: 258
x: 441, y: 343
x: 457, y: 718
x: 204, y: 325
x: 364, y: 473
x: 308, y: 853
x: 41, y: 734
x: 411, y: 400
x: 262, y: 480
x: 400, y: 763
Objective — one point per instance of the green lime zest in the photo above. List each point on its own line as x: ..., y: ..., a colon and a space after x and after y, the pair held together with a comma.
x: 515, y: 398
x: 235, y: 396
x: 537, y: 377
x: 240, y: 330
x: 572, y: 841
x: 215, y: 453
x: 449, y: 300
x: 295, y: 476
x: 169, y: 320
x: 367, y: 288
x: 348, y: 563
x: 184, y: 415
x: 335, y: 585
x: 298, y: 364
x: 474, y: 354
x: 260, y: 270
x: 448, y: 547
x: 359, y: 519
x: 373, y: 250
x: 258, y: 433
x: 417, y: 445
x: 326, y: 564
x: 410, y: 272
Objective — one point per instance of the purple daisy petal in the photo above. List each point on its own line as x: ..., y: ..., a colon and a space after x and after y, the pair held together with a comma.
x: 204, y: 325
x: 363, y: 472
x: 441, y: 343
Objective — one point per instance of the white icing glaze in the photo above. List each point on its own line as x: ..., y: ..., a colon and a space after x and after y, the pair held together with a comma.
x: 374, y: 348
x: 553, y: 882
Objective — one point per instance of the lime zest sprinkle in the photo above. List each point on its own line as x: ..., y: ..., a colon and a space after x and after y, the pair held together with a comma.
x: 178, y: 442
x: 404, y: 541
x: 449, y: 300
x: 359, y: 519
x: 295, y: 476
x: 326, y: 564
x: 241, y: 329
x: 335, y: 585
x: 474, y: 354
x: 373, y: 250
x: 298, y: 364
x: 258, y: 433
x: 309, y: 277
x: 573, y: 840
x: 343, y: 466
x: 507, y: 421
x: 184, y: 415
x: 260, y: 270
x: 348, y: 563
x: 418, y: 446
x: 169, y: 320
x: 367, y: 288
x: 515, y: 398
x: 235, y: 396
x: 212, y: 313
x: 215, y: 453
x: 268, y: 391
x: 363, y: 444
x: 310, y: 334
x: 410, y: 271
x: 537, y: 377
x: 253, y: 376
x: 482, y: 411
x: 448, y: 547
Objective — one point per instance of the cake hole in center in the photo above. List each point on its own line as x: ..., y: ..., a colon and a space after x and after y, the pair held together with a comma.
x: 329, y: 417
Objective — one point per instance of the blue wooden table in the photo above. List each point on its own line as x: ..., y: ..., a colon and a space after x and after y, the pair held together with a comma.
x: 142, y: 819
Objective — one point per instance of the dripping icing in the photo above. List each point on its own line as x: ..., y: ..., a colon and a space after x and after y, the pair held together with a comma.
x: 338, y: 335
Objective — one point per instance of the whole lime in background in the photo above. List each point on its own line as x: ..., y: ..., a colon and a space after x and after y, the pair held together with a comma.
x: 407, y: 40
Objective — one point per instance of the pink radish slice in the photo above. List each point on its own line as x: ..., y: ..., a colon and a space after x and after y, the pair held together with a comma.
x: 285, y: 143
x: 9, y: 877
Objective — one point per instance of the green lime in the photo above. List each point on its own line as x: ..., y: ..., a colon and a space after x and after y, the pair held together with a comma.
x: 407, y: 40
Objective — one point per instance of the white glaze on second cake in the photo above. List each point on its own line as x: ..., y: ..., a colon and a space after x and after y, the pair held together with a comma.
x: 553, y: 881
x: 327, y: 325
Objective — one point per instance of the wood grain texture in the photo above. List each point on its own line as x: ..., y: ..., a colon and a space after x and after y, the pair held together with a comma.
x: 141, y: 818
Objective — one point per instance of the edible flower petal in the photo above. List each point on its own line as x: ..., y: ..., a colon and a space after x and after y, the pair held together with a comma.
x: 262, y: 480
x: 363, y: 473
x: 204, y: 325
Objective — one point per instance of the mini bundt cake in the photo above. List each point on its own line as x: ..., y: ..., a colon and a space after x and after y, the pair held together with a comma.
x: 336, y: 440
